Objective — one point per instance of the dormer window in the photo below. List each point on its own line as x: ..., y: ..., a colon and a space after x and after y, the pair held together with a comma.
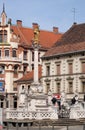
x: 3, y: 36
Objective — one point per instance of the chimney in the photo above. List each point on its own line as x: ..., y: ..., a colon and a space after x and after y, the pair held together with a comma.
x: 35, y: 25
x: 19, y: 23
x: 55, y: 29
x: 9, y: 21
x: 74, y: 23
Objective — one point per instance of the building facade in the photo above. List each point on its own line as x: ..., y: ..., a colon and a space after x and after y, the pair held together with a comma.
x: 17, y: 56
x: 63, y: 67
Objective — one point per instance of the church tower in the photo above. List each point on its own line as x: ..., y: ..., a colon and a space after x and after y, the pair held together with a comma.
x: 3, y: 17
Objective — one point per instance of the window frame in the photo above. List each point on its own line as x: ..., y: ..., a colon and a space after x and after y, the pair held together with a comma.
x: 3, y: 36
x: 14, y: 53
x: 6, y: 53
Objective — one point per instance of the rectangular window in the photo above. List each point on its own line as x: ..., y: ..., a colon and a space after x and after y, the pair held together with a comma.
x: 58, y: 88
x: 5, y: 38
x: 0, y: 53
x: 58, y: 69
x: 32, y: 56
x: 32, y: 66
x: 70, y: 87
x: 83, y: 67
x: 25, y: 55
x: 1, y: 38
x: 47, y: 87
x: 70, y: 68
x: 24, y: 69
x: 83, y: 87
x: 39, y: 56
x: 14, y: 53
x: 6, y: 53
x: 47, y: 70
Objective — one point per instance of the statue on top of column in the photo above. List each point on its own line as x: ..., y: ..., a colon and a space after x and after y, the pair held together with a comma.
x: 36, y: 35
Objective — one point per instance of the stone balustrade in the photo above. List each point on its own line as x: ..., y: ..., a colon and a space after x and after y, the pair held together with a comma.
x: 77, y: 114
x: 19, y: 114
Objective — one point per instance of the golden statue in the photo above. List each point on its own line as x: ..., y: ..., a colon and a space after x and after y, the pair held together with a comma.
x: 36, y: 35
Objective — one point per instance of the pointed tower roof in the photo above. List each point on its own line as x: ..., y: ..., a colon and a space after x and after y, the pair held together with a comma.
x: 3, y: 8
x: 3, y: 16
x: 3, y: 11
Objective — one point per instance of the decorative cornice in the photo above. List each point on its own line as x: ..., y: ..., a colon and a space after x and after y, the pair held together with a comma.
x: 47, y: 80
x: 57, y: 62
x: 70, y: 78
x: 62, y: 54
x: 82, y: 59
x: 57, y: 79
x: 82, y: 77
x: 70, y: 60
x: 47, y: 63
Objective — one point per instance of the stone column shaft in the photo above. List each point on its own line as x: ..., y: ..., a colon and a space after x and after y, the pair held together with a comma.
x: 36, y: 65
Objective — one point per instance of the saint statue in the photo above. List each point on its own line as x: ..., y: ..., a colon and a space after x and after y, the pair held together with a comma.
x: 36, y: 35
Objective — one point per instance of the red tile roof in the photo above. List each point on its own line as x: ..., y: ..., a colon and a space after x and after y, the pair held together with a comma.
x: 29, y: 76
x: 47, y: 38
x: 71, y: 41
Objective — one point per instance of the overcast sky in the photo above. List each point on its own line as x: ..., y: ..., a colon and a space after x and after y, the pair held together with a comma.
x: 47, y: 13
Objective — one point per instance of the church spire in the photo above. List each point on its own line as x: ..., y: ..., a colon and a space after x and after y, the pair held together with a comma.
x: 3, y: 16
x: 3, y: 8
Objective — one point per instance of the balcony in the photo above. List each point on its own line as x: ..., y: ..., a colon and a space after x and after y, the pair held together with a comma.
x: 12, y: 59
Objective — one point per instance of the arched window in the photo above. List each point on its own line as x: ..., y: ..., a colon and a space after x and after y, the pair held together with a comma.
x: 3, y: 36
x: 15, y: 69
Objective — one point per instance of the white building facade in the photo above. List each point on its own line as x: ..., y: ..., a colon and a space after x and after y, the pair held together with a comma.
x: 63, y: 66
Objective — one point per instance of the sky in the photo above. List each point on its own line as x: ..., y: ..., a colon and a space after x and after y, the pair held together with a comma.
x: 47, y: 13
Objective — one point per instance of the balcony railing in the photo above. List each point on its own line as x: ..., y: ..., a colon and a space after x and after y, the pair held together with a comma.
x: 10, y: 59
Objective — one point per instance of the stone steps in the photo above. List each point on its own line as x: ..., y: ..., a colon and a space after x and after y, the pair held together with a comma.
x: 69, y: 122
x: 58, y: 122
